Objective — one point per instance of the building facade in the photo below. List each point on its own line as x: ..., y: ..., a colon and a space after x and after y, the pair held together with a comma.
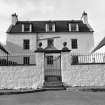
x: 28, y: 34
x: 47, y: 45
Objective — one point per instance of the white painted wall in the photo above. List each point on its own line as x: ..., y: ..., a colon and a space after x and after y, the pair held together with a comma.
x: 15, y: 77
x: 81, y: 75
x: 18, y: 39
x: 85, y: 40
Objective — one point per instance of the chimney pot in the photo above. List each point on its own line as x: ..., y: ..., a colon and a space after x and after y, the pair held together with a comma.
x: 14, y: 18
x: 85, y: 17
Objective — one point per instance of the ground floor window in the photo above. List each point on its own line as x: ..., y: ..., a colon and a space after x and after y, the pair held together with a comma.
x: 75, y: 59
x: 26, y: 60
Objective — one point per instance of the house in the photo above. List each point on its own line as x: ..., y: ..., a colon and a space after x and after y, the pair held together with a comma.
x: 28, y: 35
x: 42, y: 49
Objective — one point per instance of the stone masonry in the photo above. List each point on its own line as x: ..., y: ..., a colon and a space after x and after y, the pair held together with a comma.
x: 15, y: 77
x: 82, y: 75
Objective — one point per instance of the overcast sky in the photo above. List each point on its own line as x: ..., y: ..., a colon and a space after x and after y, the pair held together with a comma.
x: 54, y: 9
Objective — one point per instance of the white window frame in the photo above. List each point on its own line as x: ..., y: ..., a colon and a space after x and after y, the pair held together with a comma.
x: 30, y: 28
x: 70, y: 27
x: 77, y: 27
x: 53, y: 27
x: 47, y: 28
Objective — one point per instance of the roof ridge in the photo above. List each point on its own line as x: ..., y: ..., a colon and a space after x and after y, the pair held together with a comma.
x: 50, y: 21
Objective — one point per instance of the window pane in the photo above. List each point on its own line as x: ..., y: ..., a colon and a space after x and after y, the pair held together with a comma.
x: 26, y: 44
x: 50, y: 27
x: 49, y: 60
x: 73, y: 27
x: 26, y: 60
x: 26, y: 27
x: 74, y: 43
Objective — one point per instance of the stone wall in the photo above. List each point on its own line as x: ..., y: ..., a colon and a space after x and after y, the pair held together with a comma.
x: 23, y: 76
x: 33, y: 76
x: 82, y: 75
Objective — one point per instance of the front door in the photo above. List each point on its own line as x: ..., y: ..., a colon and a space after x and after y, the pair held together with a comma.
x: 52, y: 67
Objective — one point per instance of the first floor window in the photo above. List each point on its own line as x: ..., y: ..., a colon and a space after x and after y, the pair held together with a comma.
x: 26, y: 60
x: 26, y: 44
x: 74, y: 44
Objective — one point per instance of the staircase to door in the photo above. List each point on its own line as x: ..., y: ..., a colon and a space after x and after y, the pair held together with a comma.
x: 52, y: 72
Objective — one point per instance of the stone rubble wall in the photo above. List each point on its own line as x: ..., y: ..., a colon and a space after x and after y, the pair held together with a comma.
x: 82, y: 75
x: 15, y: 77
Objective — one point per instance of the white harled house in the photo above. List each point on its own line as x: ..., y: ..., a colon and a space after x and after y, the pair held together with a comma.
x: 40, y: 52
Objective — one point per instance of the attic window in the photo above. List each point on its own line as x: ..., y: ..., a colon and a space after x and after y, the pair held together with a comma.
x: 26, y: 27
x: 73, y: 27
x: 50, y: 27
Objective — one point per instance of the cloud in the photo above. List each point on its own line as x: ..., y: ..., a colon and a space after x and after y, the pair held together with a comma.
x: 29, y: 7
x: 53, y: 9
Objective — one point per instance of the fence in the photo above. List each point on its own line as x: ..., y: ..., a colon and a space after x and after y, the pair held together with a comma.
x: 97, y: 58
x: 17, y: 60
x: 88, y: 59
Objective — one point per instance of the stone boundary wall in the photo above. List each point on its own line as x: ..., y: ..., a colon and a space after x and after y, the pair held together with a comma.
x: 82, y: 75
x: 15, y: 77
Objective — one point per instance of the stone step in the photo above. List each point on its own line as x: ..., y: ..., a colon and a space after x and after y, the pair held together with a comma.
x: 53, y: 84
x: 54, y: 88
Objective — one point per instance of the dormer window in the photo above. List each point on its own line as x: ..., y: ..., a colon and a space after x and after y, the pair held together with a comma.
x: 50, y: 27
x: 26, y: 27
x: 73, y: 27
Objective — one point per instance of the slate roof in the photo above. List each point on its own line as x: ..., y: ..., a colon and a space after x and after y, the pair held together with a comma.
x: 39, y: 26
x: 100, y: 45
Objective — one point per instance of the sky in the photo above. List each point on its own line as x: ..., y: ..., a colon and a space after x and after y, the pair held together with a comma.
x: 54, y: 10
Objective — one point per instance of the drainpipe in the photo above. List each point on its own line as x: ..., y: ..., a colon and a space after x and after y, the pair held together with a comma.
x: 7, y: 59
x: 37, y: 41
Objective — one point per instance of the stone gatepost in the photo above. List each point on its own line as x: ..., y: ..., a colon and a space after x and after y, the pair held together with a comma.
x: 40, y: 66
x: 65, y: 66
x: 65, y: 63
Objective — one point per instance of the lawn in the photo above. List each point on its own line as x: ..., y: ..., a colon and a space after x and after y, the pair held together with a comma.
x: 55, y: 98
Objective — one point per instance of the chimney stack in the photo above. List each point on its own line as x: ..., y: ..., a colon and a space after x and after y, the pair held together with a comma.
x: 14, y: 18
x: 84, y: 17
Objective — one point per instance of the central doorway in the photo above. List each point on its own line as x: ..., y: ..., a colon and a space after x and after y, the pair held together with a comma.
x: 52, y: 67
